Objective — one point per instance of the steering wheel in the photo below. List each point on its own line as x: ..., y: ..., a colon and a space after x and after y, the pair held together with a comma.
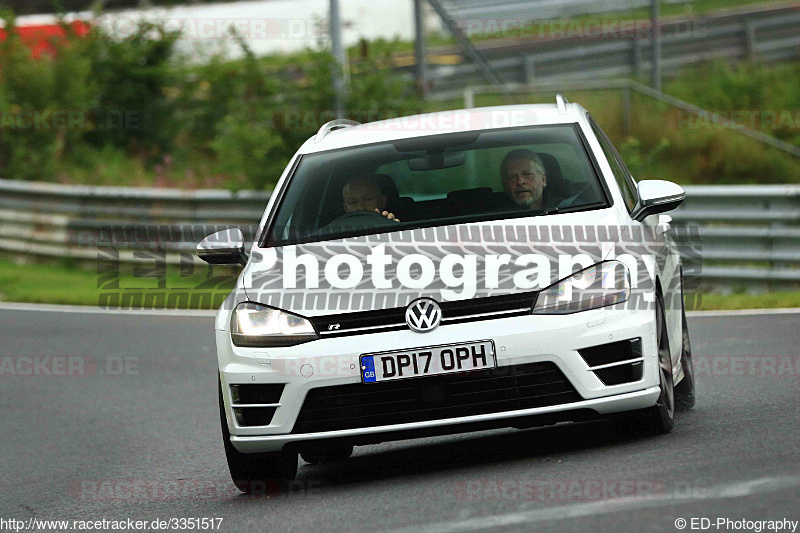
x: 361, y: 219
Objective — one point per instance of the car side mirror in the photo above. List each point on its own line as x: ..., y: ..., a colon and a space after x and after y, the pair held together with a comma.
x: 656, y: 196
x: 224, y: 247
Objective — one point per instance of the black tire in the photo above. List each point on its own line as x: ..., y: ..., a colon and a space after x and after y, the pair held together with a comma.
x: 257, y: 473
x: 662, y: 414
x: 684, y: 391
x: 329, y: 455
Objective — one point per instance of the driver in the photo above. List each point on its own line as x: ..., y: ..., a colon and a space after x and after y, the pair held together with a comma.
x: 364, y: 194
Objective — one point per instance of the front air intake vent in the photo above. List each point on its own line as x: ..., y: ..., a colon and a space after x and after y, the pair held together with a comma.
x: 615, y: 363
x: 250, y: 394
x: 254, y: 416
x: 616, y: 375
x: 612, y: 352
x: 255, y: 404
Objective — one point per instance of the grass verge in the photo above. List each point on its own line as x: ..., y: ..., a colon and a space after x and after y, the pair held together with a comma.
x: 767, y: 300
x: 113, y: 287
x: 662, y: 142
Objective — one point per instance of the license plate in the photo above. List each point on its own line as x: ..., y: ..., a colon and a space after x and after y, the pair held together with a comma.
x: 428, y: 361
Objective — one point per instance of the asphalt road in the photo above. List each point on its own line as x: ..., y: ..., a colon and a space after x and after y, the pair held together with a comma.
x: 139, y: 438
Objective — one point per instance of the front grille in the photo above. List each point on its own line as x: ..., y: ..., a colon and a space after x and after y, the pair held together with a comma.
x: 507, y: 388
x: 394, y: 318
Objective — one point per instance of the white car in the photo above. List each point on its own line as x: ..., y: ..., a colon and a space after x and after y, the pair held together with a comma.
x: 443, y: 273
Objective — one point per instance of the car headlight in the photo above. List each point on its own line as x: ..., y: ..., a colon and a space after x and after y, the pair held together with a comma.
x: 600, y: 285
x: 256, y: 325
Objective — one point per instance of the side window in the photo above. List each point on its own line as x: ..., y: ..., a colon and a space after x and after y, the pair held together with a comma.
x: 624, y: 180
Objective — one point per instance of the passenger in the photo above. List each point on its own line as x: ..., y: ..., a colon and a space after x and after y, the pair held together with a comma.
x: 524, y: 178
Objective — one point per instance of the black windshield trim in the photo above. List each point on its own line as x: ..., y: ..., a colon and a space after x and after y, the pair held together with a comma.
x: 281, y: 192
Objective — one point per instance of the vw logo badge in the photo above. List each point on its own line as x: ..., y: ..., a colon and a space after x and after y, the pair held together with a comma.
x: 423, y: 315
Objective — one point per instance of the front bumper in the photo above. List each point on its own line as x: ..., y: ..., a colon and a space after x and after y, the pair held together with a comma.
x: 518, y: 340
x: 373, y: 435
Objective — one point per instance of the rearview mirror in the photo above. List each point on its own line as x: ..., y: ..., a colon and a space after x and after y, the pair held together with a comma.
x: 438, y: 161
x: 656, y: 196
x: 224, y: 247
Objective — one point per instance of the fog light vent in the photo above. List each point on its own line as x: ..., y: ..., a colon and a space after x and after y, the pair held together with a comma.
x: 254, y: 416
x: 256, y: 393
x: 612, y: 352
x: 616, y: 375
x: 615, y: 363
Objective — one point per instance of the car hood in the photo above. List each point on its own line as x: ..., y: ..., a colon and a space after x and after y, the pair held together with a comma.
x: 446, y: 263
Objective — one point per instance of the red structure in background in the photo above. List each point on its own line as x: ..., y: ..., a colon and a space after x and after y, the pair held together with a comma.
x: 41, y: 39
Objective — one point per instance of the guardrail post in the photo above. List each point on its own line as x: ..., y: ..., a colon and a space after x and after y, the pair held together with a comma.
x: 636, y: 56
x: 749, y: 39
x: 469, y: 98
x: 337, y: 50
x: 770, y: 243
x: 626, y: 111
x: 528, y: 69
x: 655, y: 27
x: 419, y: 48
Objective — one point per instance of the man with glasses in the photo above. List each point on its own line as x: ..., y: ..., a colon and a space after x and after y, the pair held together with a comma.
x: 365, y: 194
x: 364, y: 203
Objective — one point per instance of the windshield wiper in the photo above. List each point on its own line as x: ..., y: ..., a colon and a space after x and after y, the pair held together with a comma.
x: 574, y: 208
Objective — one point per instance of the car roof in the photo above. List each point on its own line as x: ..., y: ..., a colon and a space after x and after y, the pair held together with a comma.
x: 442, y: 122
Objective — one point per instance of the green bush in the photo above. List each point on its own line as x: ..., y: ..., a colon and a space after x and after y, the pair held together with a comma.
x: 94, y: 91
x: 129, y: 110
x: 225, y: 122
x: 132, y: 76
x: 763, y: 96
x: 34, y: 97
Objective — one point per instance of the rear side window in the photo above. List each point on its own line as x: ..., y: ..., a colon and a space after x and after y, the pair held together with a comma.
x: 624, y: 179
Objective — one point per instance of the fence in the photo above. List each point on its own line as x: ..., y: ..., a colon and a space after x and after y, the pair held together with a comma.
x: 749, y: 234
x: 555, y: 50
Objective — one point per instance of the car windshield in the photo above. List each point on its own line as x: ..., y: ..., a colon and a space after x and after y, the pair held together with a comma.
x: 436, y: 180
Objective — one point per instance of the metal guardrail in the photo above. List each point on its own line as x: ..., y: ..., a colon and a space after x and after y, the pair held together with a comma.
x: 84, y: 222
x: 748, y: 234
x: 584, y: 50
